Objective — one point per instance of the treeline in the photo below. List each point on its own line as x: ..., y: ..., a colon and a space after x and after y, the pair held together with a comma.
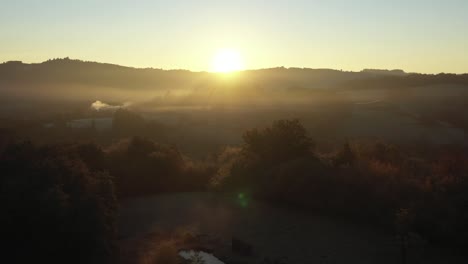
x: 57, y: 129
x: 122, y: 124
x: 409, y: 80
x: 419, y: 191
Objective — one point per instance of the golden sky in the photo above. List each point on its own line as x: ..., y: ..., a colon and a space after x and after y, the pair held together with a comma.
x: 417, y: 36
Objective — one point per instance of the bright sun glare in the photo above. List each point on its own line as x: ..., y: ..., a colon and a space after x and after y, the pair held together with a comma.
x: 227, y: 60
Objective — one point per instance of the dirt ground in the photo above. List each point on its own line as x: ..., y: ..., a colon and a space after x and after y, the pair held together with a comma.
x: 295, y: 237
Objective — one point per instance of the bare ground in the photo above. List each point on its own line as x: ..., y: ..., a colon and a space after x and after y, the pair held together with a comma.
x: 275, y: 233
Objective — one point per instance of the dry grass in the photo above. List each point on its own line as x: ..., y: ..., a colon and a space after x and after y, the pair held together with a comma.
x: 166, y: 253
x: 158, y: 247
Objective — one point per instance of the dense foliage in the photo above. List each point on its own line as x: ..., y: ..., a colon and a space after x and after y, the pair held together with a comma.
x: 372, y: 182
x: 54, y: 207
x: 141, y: 166
x: 58, y: 200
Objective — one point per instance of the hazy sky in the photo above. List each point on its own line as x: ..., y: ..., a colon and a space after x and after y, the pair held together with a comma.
x: 414, y: 35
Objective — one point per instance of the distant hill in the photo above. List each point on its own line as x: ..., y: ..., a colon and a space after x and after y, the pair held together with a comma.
x: 66, y: 77
x: 391, y: 104
x: 109, y: 75
x: 88, y: 73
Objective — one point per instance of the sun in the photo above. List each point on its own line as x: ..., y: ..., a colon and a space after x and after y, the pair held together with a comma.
x: 227, y: 60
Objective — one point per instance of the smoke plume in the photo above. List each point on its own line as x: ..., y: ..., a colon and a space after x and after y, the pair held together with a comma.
x: 98, y: 105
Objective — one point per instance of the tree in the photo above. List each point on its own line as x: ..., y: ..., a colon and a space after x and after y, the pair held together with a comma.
x: 284, y: 140
x: 345, y: 156
x: 269, y: 156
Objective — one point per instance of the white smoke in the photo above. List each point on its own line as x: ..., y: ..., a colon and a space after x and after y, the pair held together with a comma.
x: 98, y: 105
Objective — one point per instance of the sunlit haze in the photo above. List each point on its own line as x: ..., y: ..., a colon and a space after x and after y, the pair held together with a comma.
x: 416, y: 36
x: 242, y: 131
x: 227, y: 60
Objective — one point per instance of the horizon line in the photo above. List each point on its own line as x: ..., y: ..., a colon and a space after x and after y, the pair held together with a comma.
x: 239, y: 71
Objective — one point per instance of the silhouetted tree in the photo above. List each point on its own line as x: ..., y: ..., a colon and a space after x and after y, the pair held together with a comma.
x: 345, y: 156
x: 284, y: 140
